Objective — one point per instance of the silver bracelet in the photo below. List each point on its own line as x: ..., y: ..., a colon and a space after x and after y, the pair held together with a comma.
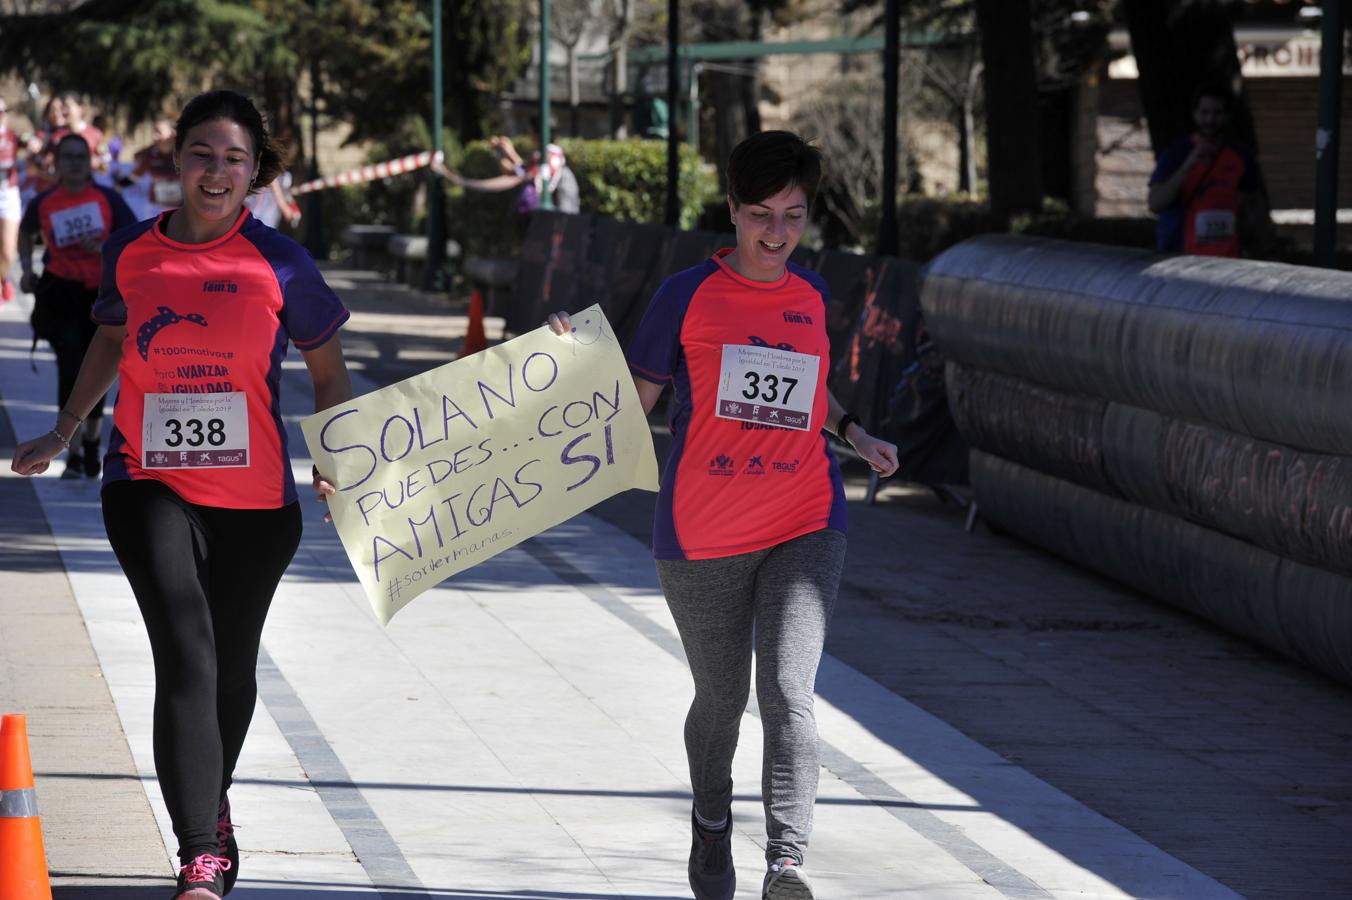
x: 66, y: 412
x: 60, y: 437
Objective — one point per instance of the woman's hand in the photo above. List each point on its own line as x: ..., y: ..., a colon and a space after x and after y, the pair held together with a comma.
x: 879, y: 454
x: 33, y: 457
x: 324, y: 489
x: 559, y: 323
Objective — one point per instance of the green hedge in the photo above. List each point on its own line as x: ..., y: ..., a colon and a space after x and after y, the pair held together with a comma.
x: 618, y: 179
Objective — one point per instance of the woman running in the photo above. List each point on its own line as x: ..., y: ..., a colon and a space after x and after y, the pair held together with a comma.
x: 75, y: 218
x: 195, y: 313
x: 749, y: 531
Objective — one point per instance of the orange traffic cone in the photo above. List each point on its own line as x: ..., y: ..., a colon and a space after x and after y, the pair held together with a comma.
x: 474, y: 334
x: 23, y: 862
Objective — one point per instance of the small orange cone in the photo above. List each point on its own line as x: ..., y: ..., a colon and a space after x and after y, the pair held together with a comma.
x: 474, y: 334
x: 23, y: 862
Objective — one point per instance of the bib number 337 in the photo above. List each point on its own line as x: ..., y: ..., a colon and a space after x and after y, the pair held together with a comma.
x: 767, y: 386
x: 192, y: 431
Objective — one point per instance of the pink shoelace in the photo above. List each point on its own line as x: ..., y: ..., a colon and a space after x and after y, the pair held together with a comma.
x: 204, y: 868
x: 224, y: 827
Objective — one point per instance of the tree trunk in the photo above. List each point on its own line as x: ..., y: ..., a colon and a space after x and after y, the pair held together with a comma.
x: 967, y: 131
x: 573, y: 92
x: 1013, y: 147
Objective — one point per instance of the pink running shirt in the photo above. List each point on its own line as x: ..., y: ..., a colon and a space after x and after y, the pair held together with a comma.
x: 729, y: 486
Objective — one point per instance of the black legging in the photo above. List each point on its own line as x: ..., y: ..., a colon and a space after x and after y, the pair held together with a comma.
x: 63, y: 321
x: 204, y: 578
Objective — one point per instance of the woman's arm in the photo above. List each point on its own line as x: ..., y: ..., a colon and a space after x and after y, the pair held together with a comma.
x: 333, y: 385
x: 879, y: 454
x: 26, y: 280
x: 97, y: 374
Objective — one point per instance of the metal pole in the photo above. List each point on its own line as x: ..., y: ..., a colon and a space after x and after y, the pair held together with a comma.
x: 315, y: 240
x: 887, y: 224
x: 692, y: 113
x: 1327, y: 136
x: 673, y: 101
x: 433, y: 274
x: 546, y: 198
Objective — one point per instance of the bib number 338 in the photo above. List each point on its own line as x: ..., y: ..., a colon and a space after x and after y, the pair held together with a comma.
x: 192, y: 431
x: 767, y: 386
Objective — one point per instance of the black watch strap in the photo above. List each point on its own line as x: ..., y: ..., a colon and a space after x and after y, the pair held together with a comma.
x: 844, y: 424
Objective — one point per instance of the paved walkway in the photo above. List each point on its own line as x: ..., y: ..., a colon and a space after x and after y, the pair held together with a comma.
x: 995, y: 723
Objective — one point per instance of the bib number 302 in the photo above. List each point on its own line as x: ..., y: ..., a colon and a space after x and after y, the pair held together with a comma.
x: 191, y: 431
x: 767, y: 385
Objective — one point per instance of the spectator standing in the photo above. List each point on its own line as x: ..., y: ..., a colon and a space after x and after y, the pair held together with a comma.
x: 1201, y: 182
x: 75, y: 217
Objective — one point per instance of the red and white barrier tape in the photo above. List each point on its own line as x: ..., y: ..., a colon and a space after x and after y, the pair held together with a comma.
x: 371, y: 173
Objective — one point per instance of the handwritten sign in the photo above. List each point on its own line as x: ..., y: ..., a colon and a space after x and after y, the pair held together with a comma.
x: 449, y: 468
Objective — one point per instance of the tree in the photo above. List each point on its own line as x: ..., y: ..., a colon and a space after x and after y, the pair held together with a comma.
x: 1009, y: 77
x: 568, y: 22
x: 371, y: 58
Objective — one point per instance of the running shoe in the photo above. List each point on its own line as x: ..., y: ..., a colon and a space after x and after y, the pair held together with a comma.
x: 226, y: 846
x: 712, y: 876
x: 203, y: 878
x: 6, y: 291
x: 786, y: 881
x: 74, y: 466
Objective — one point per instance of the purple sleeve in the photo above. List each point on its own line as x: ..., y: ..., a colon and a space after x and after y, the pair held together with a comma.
x: 653, y: 352
x: 31, y: 220
x: 311, y: 311
x: 109, y: 307
x: 122, y: 214
x: 1170, y: 159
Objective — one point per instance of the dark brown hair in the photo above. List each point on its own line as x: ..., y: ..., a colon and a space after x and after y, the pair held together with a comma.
x: 237, y: 108
x: 767, y: 163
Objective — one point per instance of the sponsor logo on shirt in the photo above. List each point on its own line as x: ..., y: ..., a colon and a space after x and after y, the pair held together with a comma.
x: 157, y: 323
x: 754, y: 466
x: 762, y: 342
x: 797, y: 318
x: 781, y: 466
x: 721, y: 465
x: 219, y: 287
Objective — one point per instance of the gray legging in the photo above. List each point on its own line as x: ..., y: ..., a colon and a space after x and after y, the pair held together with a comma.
x: 781, y: 599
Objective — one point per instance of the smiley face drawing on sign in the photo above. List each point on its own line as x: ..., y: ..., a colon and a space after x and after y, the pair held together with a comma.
x: 589, y: 328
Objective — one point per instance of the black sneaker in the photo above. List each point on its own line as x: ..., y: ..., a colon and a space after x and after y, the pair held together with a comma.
x: 203, y: 878
x: 712, y: 876
x: 226, y: 845
x: 75, y: 464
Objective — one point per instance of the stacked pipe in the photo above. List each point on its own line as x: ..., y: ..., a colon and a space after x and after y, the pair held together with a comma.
x: 1182, y: 424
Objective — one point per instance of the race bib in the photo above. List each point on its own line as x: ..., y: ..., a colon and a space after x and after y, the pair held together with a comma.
x: 195, y: 431
x: 166, y: 193
x: 73, y: 224
x: 1214, y: 225
x: 767, y: 385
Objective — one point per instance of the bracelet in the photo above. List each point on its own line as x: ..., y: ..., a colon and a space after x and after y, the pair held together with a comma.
x: 844, y: 425
x: 66, y: 412
x: 60, y: 437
